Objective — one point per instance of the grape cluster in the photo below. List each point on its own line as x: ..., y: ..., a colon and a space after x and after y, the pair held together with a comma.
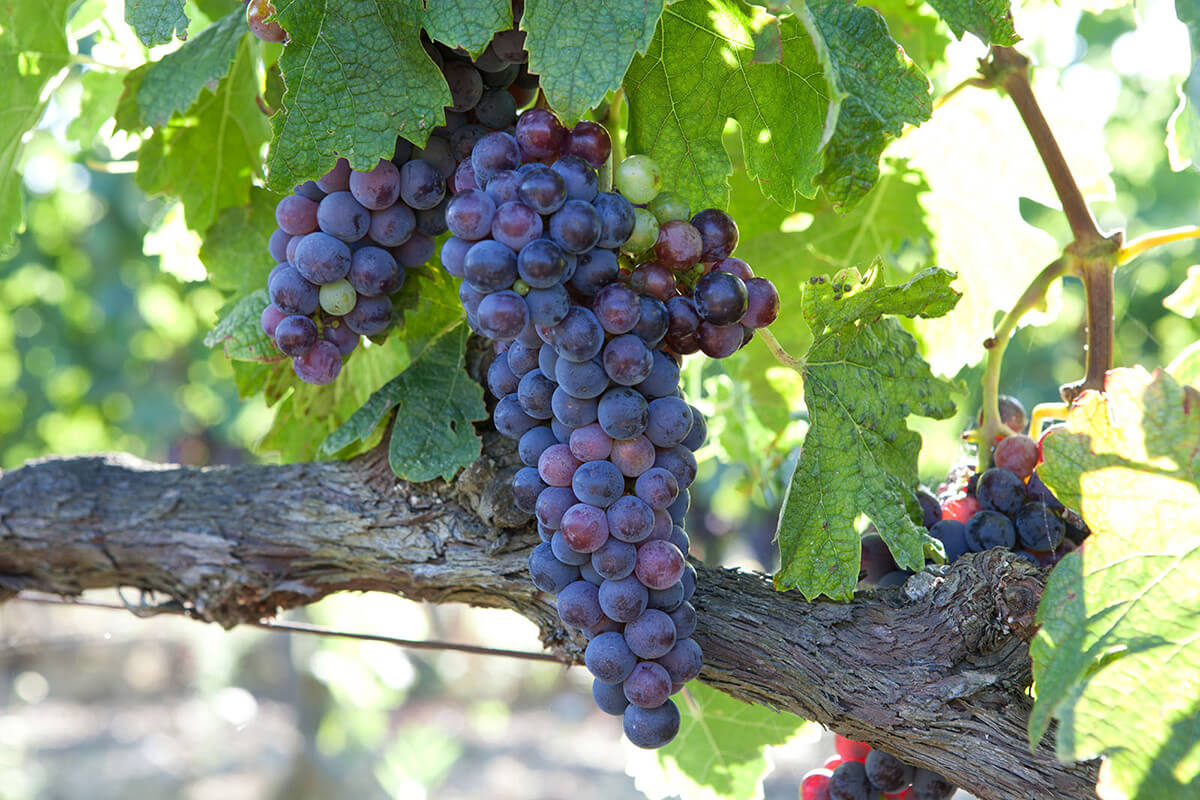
x: 1005, y: 506
x: 859, y: 772
x: 345, y: 240
x: 587, y: 382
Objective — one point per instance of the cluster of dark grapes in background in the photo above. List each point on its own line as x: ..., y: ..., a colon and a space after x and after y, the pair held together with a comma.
x: 1006, y: 506
x: 858, y: 772
x: 589, y: 341
x: 344, y: 241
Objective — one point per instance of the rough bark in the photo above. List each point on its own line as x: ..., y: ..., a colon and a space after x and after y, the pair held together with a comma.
x: 935, y: 672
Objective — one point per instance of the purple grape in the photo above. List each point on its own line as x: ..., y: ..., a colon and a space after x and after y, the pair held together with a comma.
x: 652, y: 635
x: 617, y: 308
x: 469, y: 214
x: 557, y: 466
x: 534, y: 392
x: 762, y: 303
x: 320, y: 365
x: 503, y: 186
x: 510, y: 419
x: 623, y: 600
x: 579, y: 178
x: 659, y: 565
x: 684, y: 615
x: 627, y: 361
x: 614, y: 559
x: 337, y: 179
x: 720, y: 341
x: 296, y: 216
x: 718, y: 234
x: 278, y: 243
x: 616, y: 219
x: 576, y: 227
x: 370, y: 316
x: 340, y: 215
x: 421, y: 184
x: 669, y: 421
x: 609, y: 697
x: 680, y: 461
x: 609, y: 659
x: 321, y: 258
x: 296, y: 335
x: 586, y: 379
x: 578, y: 605
x: 683, y: 662
x: 542, y: 264
x: 340, y: 335
x: 579, y: 336
x: 598, y: 483
x: 543, y: 190
x: 373, y: 272
x: 988, y: 529
x: 663, y: 379
x: 466, y: 85
x: 502, y: 315
x: 516, y: 225
x: 490, y: 266
x: 493, y: 154
x: 438, y: 154
x: 699, y: 432
x: 667, y: 599
x: 540, y: 134
x: 679, y: 245
x: 548, y: 307
x: 565, y: 553
x: 720, y: 298
x: 500, y: 379
x: 657, y: 488
x: 527, y: 487
x: 533, y: 443
x: 594, y: 270
x: 1000, y: 490
x: 650, y: 728
x: 552, y: 503
x: 272, y: 315
x: 648, y: 685
x: 290, y: 293
x: 678, y: 509
x: 1038, y: 528
x: 589, y: 141
x: 633, y: 456
x: 497, y: 108
x: 849, y: 782
x: 416, y: 251
x: 623, y: 413
x: 378, y: 188
x: 548, y: 573
x: 573, y: 412
x: 590, y: 443
x: 392, y: 226
x: 454, y: 254
x: 521, y: 358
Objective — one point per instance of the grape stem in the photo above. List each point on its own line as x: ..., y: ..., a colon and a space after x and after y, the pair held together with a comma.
x: 976, y: 82
x: 782, y: 356
x: 1032, y: 297
x: 299, y: 627
x: 1150, y: 241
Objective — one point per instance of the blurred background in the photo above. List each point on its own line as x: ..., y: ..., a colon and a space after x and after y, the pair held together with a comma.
x: 105, y: 305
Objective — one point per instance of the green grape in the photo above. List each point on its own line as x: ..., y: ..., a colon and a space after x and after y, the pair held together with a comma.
x: 638, y: 178
x: 645, y: 232
x: 668, y: 206
x: 338, y: 298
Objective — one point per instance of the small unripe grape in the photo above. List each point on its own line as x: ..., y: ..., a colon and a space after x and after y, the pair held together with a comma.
x: 638, y: 178
x: 668, y: 206
x: 338, y: 298
x: 645, y: 232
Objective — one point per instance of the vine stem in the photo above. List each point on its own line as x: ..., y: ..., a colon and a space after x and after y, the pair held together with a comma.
x: 1142, y: 244
x: 1032, y: 297
x: 782, y: 356
x: 303, y: 628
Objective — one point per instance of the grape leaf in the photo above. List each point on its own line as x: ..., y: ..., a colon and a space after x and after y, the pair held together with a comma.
x: 990, y: 20
x: 916, y: 29
x: 1183, y: 128
x: 174, y: 82
x: 101, y: 90
x: 720, y: 752
x: 583, y: 53
x: 33, y: 48
x: 239, y: 330
x: 699, y: 72
x: 209, y: 156
x: 435, y: 313
x: 468, y: 24
x: 234, y: 251
x: 1185, y: 300
x: 876, y: 89
x: 863, y: 377
x: 156, y: 21
x: 1185, y: 367
x: 1117, y: 660
x: 356, y: 78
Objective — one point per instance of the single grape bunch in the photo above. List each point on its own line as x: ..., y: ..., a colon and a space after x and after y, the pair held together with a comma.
x: 858, y: 771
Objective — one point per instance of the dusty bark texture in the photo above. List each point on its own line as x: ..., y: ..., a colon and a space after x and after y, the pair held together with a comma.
x: 935, y: 672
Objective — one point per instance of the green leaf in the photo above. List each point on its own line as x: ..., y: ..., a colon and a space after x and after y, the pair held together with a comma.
x: 33, y: 48
x: 1185, y: 367
x: 174, y: 82
x: 1185, y: 300
x: 582, y: 53
x: 156, y: 21
x: 127, y: 116
x: 356, y: 78
x: 720, y: 752
x: 239, y: 331
x: 209, y: 156
x: 876, y: 90
x: 863, y: 377
x: 436, y: 311
x: 438, y: 401
x: 1116, y: 660
x: 101, y: 90
x: 916, y: 29
x: 1183, y: 128
x: 699, y: 72
x: 235, y: 251
x: 468, y: 24
x: 990, y: 20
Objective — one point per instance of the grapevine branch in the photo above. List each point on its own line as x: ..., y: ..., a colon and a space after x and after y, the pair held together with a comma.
x: 934, y: 672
